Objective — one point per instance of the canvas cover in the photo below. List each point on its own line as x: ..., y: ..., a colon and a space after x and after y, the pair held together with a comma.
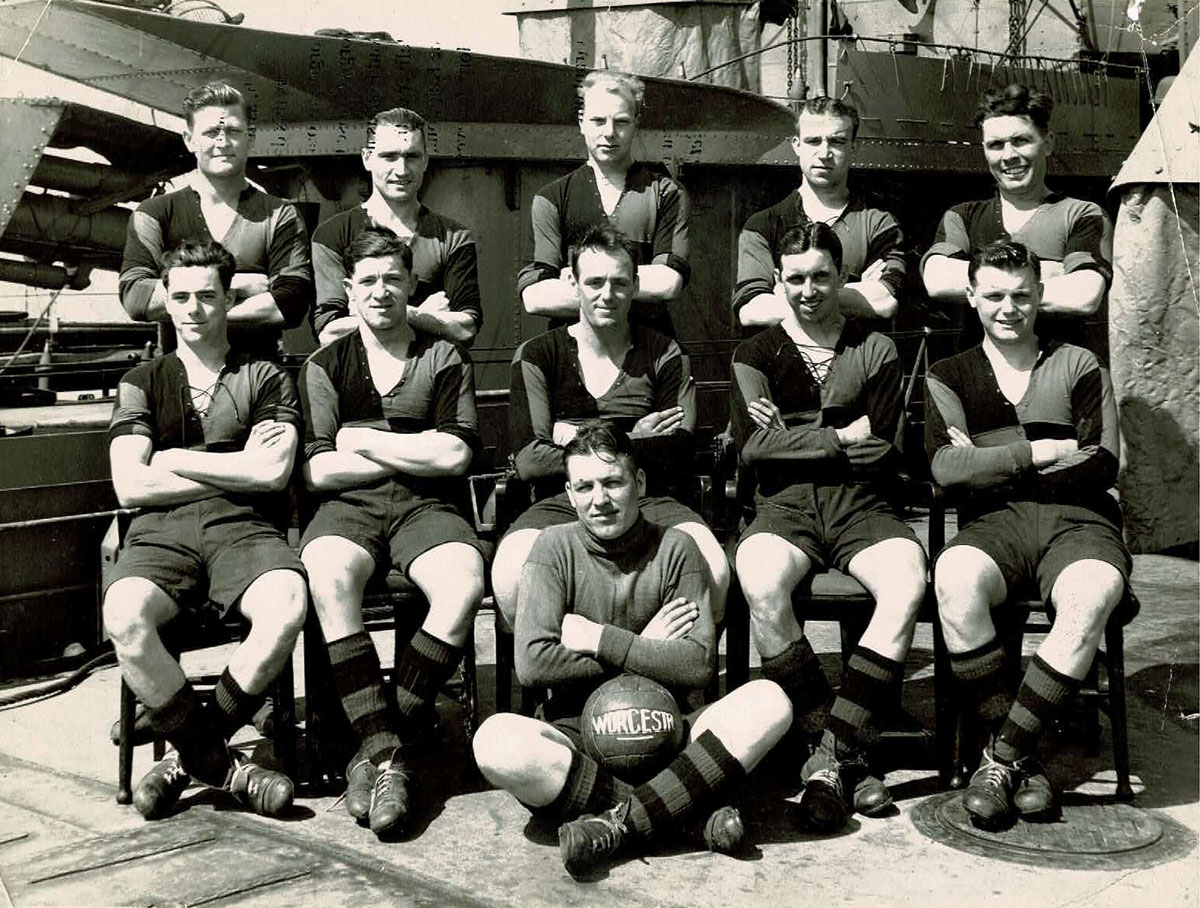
x: 1153, y: 310
x: 671, y: 40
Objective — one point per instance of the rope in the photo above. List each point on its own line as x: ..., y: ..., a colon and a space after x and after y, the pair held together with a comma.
x: 58, y: 686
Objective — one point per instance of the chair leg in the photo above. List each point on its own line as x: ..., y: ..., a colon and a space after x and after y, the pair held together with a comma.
x: 1115, y: 664
x: 1091, y: 716
x: 317, y: 679
x: 529, y: 701
x: 945, y: 710
x: 737, y: 639
x: 504, y: 666
x: 470, y: 690
x: 285, y: 719
x: 125, y: 745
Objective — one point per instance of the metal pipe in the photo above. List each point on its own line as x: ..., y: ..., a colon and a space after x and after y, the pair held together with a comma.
x: 34, y: 274
x: 66, y: 518
x: 44, y: 591
x: 65, y: 175
x: 51, y: 218
x: 818, y: 24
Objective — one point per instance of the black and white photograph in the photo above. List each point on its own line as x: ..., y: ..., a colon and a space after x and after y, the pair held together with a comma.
x: 600, y: 453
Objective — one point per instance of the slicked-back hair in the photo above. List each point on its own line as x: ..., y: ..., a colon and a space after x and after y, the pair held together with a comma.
x: 376, y: 243
x: 825, y: 106
x: 603, y: 438
x: 398, y: 118
x: 627, y: 86
x: 601, y: 237
x: 194, y: 254
x: 1016, y: 100
x: 214, y: 94
x: 813, y: 235
x: 1007, y: 255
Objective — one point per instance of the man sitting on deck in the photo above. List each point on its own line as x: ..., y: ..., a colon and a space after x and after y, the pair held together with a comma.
x: 816, y: 405
x: 203, y: 440
x: 1027, y: 429
x: 608, y: 593
x: 390, y: 421
x: 601, y: 366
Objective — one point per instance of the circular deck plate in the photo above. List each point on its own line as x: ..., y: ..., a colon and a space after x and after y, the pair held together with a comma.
x: 1093, y: 834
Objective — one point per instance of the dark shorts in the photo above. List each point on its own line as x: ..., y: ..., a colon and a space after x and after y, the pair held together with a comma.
x: 829, y: 524
x: 389, y: 519
x: 557, y: 510
x: 203, y: 552
x: 1033, y: 543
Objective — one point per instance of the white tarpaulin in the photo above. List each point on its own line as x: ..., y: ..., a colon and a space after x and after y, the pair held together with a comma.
x: 672, y: 40
x: 1153, y: 310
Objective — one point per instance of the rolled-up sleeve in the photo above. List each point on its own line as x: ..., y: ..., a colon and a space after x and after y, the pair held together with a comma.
x: 319, y: 402
x: 139, y: 264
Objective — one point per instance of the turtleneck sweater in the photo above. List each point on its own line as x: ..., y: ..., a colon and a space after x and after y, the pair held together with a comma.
x: 620, y: 584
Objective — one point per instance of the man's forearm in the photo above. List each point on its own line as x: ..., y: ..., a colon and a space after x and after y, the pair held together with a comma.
x: 945, y: 278
x: 153, y: 293
x: 259, y: 309
x: 1079, y: 293
x: 553, y: 298
x: 338, y: 327
x: 146, y: 485
x: 330, y: 471
x: 260, y: 470
x: 658, y: 283
x: 429, y: 453
x: 867, y: 299
x: 763, y: 311
x: 456, y: 326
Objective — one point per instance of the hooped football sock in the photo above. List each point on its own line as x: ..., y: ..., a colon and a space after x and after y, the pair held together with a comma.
x: 866, y: 690
x: 980, y: 673
x: 695, y: 781
x: 589, y: 788
x: 798, y: 671
x: 358, y: 680
x: 426, y: 664
x: 1042, y: 695
x: 236, y: 707
x: 194, y: 731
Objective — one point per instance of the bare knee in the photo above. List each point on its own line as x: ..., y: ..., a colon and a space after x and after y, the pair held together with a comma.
x: 967, y: 583
x: 335, y: 582
x: 276, y: 605
x: 770, y: 707
x: 903, y: 597
x: 712, y: 552
x: 1084, y: 597
x: 130, y: 613
x: 498, y: 748
x: 749, y: 721
x: 451, y: 577
x: 764, y: 573
x: 510, y: 558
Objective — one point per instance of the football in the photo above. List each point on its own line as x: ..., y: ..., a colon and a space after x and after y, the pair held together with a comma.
x: 632, y: 726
